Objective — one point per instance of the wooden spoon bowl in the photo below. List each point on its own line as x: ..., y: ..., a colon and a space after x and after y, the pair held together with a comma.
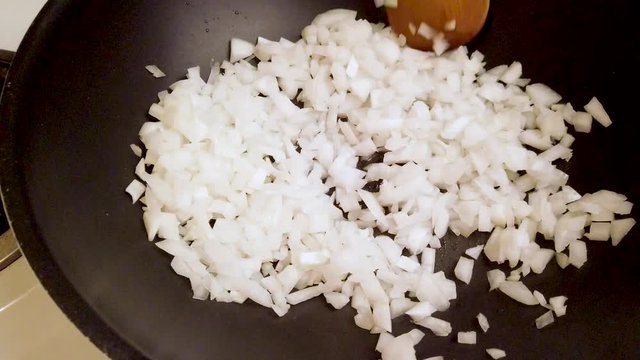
x: 469, y: 15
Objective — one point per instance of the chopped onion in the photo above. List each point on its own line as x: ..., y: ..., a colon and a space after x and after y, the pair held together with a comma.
x: 599, y: 231
x: 595, y: 108
x: 475, y: 251
x: 155, y: 71
x: 254, y: 182
x: 558, y: 306
x: 544, y: 320
x: 450, y: 25
x: 136, y: 150
x: 577, y: 253
x: 483, y: 322
x: 496, y: 278
x: 135, y: 189
x: 620, y: 228
x: 582, y: 121
x: 240, y: 49
x: 519, y: 292
x: 467, y: 337
x: 437, y: 326
x: 464, y: 269
x: 496, y: 353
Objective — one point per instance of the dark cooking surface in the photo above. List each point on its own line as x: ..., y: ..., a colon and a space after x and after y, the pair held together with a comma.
x: 78, y: 93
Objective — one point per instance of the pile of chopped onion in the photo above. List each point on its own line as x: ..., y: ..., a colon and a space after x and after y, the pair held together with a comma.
x: 335, y: 166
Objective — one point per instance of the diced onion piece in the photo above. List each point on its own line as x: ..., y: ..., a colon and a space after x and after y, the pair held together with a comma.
x: 450, y: 25
x: 136, y: 150
x: 474, y: 252
x: 426, y: 31
x: 577, y: 253
x: 542, y: 95
x: 155, y: 71
x: 620, y: 228
x: 519, y: 292
x: 412, y: 28
x: 582, y: 121
x: 483, y: 322
x: 496, y: 353
x: 416, y: 335
x: 467, y: 337
x: 496, y: 277
x: 391, y: 3
x: 464, y: 269
x: 438, y: 326
x: 337, y: 300
x: 421, y: 311
x: 135, y: 189
x: 240, y: 49
x: 595, y: 108
x: 435, y: 358
x: 562, y: 260
x: 541, y: 299
x: 599, y: 231
x: 544, y: 320
x: 513, y: 73
x: 558, y: 306
x: 440, y: 44
x: 400, y: 347
x: 378, y: 3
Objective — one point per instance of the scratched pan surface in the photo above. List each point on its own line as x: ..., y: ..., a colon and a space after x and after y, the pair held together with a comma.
x: 78, y: 92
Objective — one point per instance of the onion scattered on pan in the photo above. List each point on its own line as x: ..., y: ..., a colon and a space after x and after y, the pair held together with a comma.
x: 496, y: 353
x: 334, y: 166
x: 155, y: 71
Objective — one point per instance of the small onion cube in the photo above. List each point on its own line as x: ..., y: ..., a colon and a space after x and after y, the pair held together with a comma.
x: 155, y: 71
x: 496, y: 353
x: 474, y: 252
x: 467, y: 337
x: 558, y: 305
x: 438, y: 326
x: 135, y: 189
x: 544, y: 320
x: 519, y: 292
x: 620, y: 228
x: 464, y: 269
x: 595, y: 108
x: 483, y: 322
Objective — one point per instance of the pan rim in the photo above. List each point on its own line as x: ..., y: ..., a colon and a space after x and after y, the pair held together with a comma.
x: 15, y: 198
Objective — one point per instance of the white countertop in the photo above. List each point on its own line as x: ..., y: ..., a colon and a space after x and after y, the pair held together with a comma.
x: 32, y: 327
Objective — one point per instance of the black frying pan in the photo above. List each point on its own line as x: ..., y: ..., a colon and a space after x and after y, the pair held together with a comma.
x: 77, y: 94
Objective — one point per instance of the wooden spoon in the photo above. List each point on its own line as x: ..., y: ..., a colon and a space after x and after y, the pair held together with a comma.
x: 469, y: 16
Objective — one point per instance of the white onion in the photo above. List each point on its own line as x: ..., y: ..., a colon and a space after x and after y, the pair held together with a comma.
x: 475, y: 251
x: 238, y: 152
x: 595, y: 108
x: 544, y: 320
x: 438, y: 326
x: 467, y: 337
x: 577, y: 253
x: 620, y: 228
x: 464, y: 269
x: 155, y: 71
x: 519, y: 292
x: 135, y: 189
x: 496, y: 353
x: 496, y: 278
x: 558, y: 306
x: 483, y: 322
